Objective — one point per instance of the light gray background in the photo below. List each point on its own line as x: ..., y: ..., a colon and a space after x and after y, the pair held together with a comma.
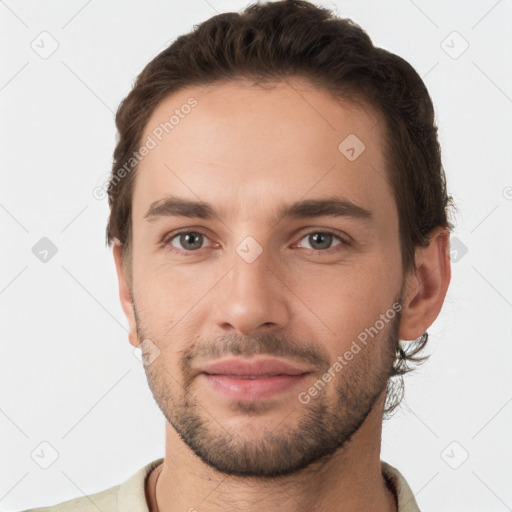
x: 68, y: 375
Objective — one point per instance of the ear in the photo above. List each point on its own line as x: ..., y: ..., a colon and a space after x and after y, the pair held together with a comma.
x: 125, y: 294
x: 426, y: 286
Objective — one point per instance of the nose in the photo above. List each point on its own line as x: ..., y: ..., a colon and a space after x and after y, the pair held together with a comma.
x: 252, y: 297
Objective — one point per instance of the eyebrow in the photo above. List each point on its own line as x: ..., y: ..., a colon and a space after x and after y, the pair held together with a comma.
x: 172, y: 206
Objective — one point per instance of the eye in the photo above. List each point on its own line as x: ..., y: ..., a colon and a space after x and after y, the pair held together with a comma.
x: 185, y: 241
x: 321, y: 241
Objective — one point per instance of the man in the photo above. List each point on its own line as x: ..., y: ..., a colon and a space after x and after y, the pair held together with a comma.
x: 279, y: 228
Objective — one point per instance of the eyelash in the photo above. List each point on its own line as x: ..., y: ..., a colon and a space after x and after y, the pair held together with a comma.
x: 166, y: 243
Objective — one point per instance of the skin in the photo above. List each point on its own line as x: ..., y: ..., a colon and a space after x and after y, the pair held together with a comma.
x: 247, y: 150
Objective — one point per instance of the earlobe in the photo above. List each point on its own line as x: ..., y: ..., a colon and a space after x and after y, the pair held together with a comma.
x: 426, y: 286
x: 125, y: 293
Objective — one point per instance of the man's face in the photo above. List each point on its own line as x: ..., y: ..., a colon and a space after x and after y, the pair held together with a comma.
x: 249, y: 286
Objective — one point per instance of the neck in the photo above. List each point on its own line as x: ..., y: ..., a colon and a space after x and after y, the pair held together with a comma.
x: 349, y: 480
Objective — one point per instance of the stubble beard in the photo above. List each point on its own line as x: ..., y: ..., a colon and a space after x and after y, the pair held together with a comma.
x: 327, y: 422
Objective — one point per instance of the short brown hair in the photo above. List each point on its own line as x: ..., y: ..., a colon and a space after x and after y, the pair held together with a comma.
x: 273, y: 41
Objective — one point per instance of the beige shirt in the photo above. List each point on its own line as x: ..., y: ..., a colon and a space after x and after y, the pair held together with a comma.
x: 130, y: 495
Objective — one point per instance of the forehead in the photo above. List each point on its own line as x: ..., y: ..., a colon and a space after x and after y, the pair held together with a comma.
x: 241, y: 145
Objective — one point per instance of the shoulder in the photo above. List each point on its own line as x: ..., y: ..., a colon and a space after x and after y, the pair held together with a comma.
x: 106, y: 501
x: 405, y: 497
x: 129, y: 495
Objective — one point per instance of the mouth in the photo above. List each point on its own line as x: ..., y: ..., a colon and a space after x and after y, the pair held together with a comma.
x: 257, y: 380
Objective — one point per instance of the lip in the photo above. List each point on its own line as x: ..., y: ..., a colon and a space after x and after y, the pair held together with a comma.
x: 252, y: 380
x: 257, y: 368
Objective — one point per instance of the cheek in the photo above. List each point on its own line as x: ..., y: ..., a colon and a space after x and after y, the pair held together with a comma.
x: 170, y: 299
x: 345, y: 301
